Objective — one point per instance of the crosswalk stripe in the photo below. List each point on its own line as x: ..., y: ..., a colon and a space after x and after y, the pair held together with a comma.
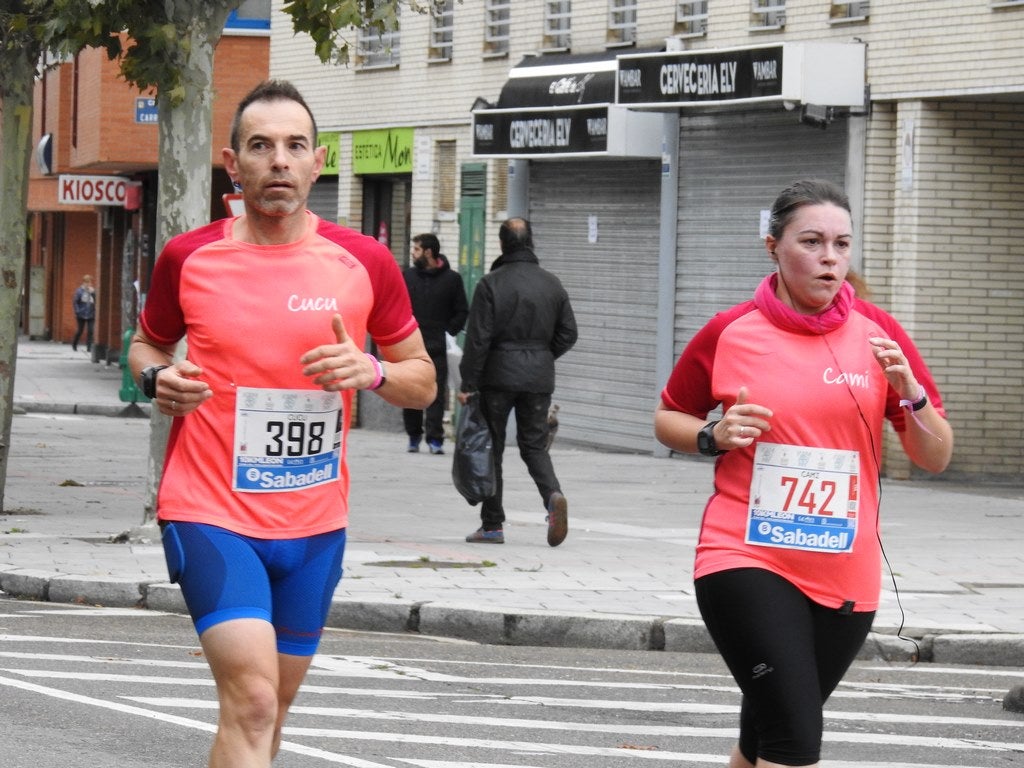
x: 415, y: 677
x: 581, y: 727
x: 608, y: 704
x: 182, y: 721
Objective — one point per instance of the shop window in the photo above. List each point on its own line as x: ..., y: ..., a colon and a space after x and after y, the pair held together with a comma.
x: 445, y: 178
x: 767, y: 14
x: 557, y: 26
x: 691, y: 19
x: 377, y: 50
x: 497, y: 15
x: 442, y: 30
x: 848, y: 10
x: 621, y: 22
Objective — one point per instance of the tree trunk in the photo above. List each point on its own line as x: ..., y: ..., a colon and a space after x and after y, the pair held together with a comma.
x: 15, y: 151
x: 183, y: 197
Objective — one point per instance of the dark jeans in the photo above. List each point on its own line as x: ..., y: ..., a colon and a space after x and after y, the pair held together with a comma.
x: 531, y: 411
x: 430, y: 421
x: 83, y: 325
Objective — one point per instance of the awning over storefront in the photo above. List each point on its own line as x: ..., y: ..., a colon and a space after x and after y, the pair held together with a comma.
x: 600, y: 105
x: 561, y: 106
x: 822, y: 74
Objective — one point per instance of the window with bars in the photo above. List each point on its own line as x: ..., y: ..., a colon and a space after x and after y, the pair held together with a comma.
x: 692, y: 18
x: 557, y: 25
x: 442, y: 28
x: 376, y: 50
x: 767, y: 14
x: 499, y: 195
x: 497, y: 15
x: 445, y: 176
x: 849, y: 10
x: 621, y: 22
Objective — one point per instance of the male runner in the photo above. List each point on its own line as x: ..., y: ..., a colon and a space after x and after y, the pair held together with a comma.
x: 253, y: 501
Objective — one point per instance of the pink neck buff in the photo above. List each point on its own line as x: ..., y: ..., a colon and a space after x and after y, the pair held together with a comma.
x: 789, y: 319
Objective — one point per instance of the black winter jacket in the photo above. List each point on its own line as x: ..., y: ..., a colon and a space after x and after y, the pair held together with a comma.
x: 438, y: 303
x: 520, y: 321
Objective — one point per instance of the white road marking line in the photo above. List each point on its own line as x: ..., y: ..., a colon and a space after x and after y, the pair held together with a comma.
x: 1011, y: 672
x: 104, y: 660
x: 369, y: 667
x: 86, y: 641
x: 606, y: 704
x: 475, y: 764
x: 524, y: 747
x: 153, y: 680
x: 617, y: 728
x: 452, y: 764
x: 182, y: 721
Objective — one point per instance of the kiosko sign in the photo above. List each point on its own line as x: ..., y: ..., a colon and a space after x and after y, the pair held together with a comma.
x: 91, y: 190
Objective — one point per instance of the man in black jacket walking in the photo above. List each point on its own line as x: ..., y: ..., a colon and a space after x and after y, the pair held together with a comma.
x: 520, y: 321
x: 439, y: 305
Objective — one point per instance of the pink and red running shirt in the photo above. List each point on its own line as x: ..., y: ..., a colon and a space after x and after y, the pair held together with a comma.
x: 826, y: 391
x: 248, y: 313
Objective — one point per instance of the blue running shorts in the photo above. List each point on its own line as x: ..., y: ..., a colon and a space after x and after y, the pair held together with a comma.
x: 287, y: 582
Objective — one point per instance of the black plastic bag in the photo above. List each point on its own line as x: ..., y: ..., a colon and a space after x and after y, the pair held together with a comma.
x: 473, y: 460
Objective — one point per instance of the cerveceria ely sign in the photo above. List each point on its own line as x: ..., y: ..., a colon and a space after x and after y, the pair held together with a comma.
x: 748, y: 74
x: 91, y: 190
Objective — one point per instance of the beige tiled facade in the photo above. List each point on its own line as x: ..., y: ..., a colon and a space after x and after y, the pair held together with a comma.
x: 943, y: 165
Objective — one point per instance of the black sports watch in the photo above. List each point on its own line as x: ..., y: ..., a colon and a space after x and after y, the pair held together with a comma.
x: 706, y: 440
x: 147, y: 379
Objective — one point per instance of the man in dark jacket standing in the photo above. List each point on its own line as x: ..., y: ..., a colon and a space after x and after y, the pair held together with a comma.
x: 520, y: 321
x: 439, y: 305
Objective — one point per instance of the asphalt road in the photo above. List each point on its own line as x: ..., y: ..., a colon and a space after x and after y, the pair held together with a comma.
x: 124, y: 688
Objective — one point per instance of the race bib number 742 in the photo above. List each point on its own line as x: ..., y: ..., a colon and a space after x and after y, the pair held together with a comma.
x: 803, y: 498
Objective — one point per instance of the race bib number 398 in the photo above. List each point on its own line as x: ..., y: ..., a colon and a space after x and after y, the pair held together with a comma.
x: 286, y: 440
x: 803, y: 498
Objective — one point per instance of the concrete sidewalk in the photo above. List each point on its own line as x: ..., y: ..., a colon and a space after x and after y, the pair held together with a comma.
x: 622, y: 579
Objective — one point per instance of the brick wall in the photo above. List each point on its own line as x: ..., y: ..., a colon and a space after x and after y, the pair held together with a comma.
x: 109, y: 137
x: 957, y: 271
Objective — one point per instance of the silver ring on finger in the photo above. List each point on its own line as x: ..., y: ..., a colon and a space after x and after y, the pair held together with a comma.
x: 174, y: 405
x: 743, y: 431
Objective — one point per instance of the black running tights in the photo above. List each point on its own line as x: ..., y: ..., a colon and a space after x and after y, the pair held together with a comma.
x: 787, y: 655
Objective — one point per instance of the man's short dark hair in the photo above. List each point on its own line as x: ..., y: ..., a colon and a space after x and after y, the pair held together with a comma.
x: 268, y: 90
x: 515, y: 234
x: 428, y: 242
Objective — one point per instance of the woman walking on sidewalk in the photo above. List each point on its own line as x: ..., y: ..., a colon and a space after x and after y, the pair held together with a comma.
x: 788, y: 564
x: 84, y: 304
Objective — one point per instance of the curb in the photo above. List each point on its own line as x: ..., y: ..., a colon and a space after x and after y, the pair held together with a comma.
x: 496, y: 627
x: 128, y: 410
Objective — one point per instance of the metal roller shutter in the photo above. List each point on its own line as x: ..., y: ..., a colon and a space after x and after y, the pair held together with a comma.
x: 731, y: 167
x: 323, y: 198
x: 605, y: 386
